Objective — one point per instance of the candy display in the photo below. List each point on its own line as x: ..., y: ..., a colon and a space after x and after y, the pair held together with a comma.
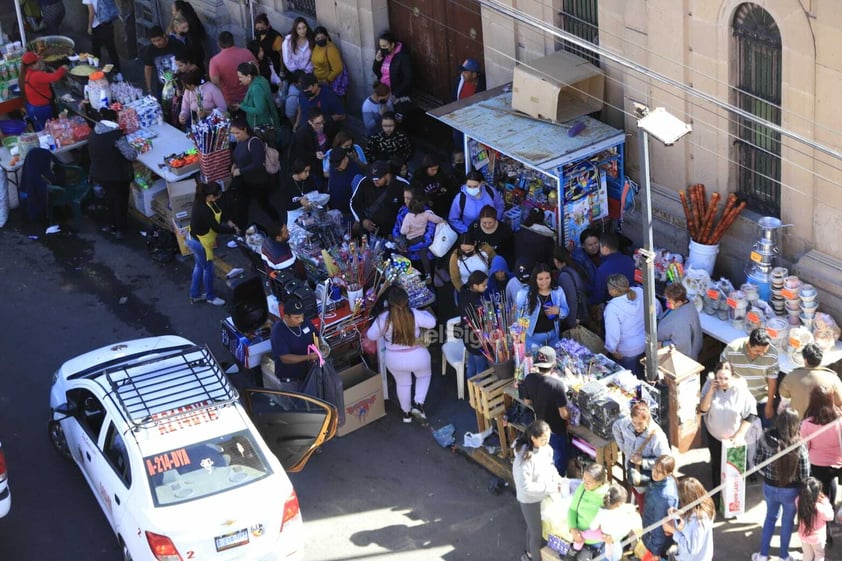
x: 125, y: 93
x: 184, y: 162
x: 147, y: 111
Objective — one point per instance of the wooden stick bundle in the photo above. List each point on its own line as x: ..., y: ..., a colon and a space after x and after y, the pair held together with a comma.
x: 701, y: 215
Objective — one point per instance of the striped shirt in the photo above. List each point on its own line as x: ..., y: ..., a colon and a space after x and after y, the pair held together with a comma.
x: 754, y: 372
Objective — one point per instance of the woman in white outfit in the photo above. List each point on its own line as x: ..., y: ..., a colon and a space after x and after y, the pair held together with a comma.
x: 400, y: 326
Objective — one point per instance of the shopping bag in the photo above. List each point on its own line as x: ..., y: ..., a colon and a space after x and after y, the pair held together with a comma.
x: 733, y: 483
x: 323, y: 382
x: 586, y: 338
x: 444, y: 239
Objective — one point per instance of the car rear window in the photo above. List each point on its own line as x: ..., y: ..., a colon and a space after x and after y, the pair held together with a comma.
x: 205, y: 468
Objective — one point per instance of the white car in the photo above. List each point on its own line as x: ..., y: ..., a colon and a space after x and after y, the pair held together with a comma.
x: 178, y: 466
x: 5, y: 493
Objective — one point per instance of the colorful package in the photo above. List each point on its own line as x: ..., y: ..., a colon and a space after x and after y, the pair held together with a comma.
x: 733, y: 483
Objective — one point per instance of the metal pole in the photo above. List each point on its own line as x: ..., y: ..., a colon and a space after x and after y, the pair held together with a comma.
x: 648, y: 252
x: 20, y: 27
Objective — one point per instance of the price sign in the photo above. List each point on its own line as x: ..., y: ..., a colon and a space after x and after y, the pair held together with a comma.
x: 732, y: 302
x: 753, y: 317
x: 756, y: 257
x: 789, y: 294
x: 773, y: 333
x: 713, y: 294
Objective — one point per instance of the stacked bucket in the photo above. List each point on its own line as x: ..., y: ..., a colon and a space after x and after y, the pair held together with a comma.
x: 776, y: 281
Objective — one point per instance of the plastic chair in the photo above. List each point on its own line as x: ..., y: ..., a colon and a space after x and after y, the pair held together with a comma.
x: 453, y: 353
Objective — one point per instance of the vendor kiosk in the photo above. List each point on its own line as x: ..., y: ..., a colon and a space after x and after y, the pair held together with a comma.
x: 564, y: 169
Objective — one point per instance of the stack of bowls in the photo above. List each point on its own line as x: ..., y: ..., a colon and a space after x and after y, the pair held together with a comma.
x: 792, y: 302
x: 807, y: 295
x: 776, y: 281
x: 778, y: 329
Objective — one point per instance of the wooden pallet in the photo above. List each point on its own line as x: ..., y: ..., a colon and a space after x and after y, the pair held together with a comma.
x: 486, y: 394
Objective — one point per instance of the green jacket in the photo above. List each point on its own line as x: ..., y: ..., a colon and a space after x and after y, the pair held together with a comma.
x: 259, y: 106
x: 584, y: 506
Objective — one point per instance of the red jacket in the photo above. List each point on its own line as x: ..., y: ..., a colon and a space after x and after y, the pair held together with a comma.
x: 36, y: 87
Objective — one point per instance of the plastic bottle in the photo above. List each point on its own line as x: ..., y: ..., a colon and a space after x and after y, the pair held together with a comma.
x: 103, y: 98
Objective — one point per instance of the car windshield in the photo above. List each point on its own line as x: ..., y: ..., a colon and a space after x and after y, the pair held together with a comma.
x: 205, y: 468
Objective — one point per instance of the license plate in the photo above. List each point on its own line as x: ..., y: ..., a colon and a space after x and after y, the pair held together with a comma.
x: 232, y: 540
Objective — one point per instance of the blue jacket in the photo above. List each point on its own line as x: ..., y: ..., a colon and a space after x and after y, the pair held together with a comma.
x: 494, y: 286
x: 583, y: 259
x: 460, y: 219
x: 660, y: 496
x: 558, y: 299
x: 615, y: 263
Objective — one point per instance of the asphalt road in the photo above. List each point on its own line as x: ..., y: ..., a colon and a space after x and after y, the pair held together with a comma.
x: 387, y: 491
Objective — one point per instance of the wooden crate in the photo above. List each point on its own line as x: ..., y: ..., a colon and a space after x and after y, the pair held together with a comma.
x: 486, y: 395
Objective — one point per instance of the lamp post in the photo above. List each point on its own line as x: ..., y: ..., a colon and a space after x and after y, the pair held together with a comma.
x: 667, y: 128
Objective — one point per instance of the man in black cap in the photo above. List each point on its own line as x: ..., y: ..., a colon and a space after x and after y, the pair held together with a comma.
x: 378, y: 198
x: 314, y: 95
x: 519, y: 280
x: 290, y: 338
x: 340, y: 183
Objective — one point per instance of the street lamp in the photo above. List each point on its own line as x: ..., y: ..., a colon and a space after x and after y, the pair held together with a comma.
x: 668, y: 129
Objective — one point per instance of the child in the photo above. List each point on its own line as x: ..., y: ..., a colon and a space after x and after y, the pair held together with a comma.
x: 814, y: 512
x: 414, y: 227
x: 498, y: 279
x: 692, y: 531
x: 614, y: 521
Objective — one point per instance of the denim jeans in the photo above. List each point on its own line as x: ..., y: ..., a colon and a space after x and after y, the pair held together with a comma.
x: 39, y: 115
x: 474, y: 365
x: 558, y: 442
x: 549, y: 338
x: 202, y: 271
x: 778, y: 498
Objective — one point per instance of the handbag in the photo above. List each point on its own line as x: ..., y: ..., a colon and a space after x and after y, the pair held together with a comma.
x: 638, y: 477
x: 443, y: 240
x: 324, y: 383
x: 340, y: 85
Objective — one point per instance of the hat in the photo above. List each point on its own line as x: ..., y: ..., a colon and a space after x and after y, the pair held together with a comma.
x: 337, y: 155
x: 379, y: 169
x: 546, y: 358
x: 29, y: 58
x: 522, y: 271
x: 307, y: 80
x: 471, y: 65
x: 293, y: 307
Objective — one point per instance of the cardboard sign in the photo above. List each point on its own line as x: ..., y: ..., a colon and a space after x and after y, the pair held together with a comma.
x: 733, y: 484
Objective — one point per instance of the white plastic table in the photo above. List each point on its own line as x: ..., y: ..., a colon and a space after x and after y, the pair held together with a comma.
x: 169, y: 140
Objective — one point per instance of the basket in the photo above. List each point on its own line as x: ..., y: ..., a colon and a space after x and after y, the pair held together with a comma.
x: 215, y: 165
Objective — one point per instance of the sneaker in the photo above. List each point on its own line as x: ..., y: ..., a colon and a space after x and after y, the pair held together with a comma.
x: 418, y: 409
x: 217, y: 301
x: 407, y: 416
x: 758, y: 557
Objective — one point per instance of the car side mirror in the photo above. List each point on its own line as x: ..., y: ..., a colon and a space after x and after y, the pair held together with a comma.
x: 64, y: 410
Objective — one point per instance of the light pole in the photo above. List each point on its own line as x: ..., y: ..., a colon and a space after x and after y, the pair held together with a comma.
x: 668, y: 129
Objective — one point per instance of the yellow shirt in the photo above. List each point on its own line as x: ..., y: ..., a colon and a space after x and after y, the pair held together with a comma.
x: 327, y: 62
x: 208, y: 240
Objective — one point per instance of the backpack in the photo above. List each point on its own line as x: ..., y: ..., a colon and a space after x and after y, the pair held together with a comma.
x: 463, y: 198
x: 272, y: 159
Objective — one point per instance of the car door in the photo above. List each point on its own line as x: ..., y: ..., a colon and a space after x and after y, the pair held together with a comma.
x: 293, y: 425
x: 82, y: 430
x: 113, y: 476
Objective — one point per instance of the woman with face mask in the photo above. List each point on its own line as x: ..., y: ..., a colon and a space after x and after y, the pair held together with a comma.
x: 468, y: 203
x: 392, y: 66
x: 680, y: 325
x: 391, y: 144
x: 327, y: 63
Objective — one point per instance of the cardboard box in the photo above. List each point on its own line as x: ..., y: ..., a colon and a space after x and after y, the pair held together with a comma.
x: 558, y: 87
x: 142, y: 198
x: 180, y: 227
x: 548, y: 554
x: 247, y: 349
x: 181, y: 194
x: 363, y: 398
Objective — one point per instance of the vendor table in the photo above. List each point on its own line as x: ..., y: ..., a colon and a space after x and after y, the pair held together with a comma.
x: 11, y: 172
x: 169, y: 140
x: 723, y: 331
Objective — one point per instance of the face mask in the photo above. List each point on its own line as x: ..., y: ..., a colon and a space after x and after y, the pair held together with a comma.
x: 260, y: 32
x: 383, y: 101
x: 384, y: 52
x: 321, y: 42
x: 472, y: 191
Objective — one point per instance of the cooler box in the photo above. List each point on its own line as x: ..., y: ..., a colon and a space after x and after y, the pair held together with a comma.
x: 363, y: 398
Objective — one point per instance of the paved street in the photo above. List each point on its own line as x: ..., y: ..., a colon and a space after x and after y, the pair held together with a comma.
x: 385, y: 492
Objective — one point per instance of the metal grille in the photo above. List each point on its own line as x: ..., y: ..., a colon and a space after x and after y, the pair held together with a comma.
x: 304, y: 7
x: 758, y: 44
x: 579, y: 17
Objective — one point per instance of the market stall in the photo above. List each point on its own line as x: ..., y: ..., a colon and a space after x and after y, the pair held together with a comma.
x: 564, y: 169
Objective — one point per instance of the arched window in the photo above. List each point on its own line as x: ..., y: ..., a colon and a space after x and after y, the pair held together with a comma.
x: 757, y: 41
x: 579, y: 17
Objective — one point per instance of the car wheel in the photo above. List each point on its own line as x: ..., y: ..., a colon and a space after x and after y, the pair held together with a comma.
x: 58, y: 439
x: 127, y: 555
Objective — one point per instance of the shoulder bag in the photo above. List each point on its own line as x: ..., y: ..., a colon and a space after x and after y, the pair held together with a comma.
x: 443, y: 240
x: 639, y: 476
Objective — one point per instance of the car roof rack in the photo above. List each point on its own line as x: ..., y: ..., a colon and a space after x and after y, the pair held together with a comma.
x: 182, y: 382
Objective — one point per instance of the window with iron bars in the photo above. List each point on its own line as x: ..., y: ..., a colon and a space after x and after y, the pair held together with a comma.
x: 304, y: 7
x: 758, y: 91
x: 579, y: 17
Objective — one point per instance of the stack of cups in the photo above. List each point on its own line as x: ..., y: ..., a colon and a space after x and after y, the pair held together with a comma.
x: 792, y: 302
x: 776, y: 279
x: 807, y: 294
x: 739, y: 306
